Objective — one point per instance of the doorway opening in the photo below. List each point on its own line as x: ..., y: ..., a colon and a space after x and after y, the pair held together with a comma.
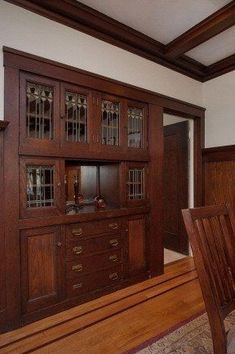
x: 178, y: 182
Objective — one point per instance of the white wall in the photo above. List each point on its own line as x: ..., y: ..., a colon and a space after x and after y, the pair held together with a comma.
x: 219, y: 100
x: 26, y: 31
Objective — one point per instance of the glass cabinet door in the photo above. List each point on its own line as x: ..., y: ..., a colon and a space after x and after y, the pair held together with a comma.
x: 109, y: 123
x: 136, y: 125
x: 76, y: 122
x: 39, y: 114
x: 41, y: 187
x: 136, y: 175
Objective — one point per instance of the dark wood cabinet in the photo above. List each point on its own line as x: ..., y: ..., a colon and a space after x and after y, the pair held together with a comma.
x: 42, y: 268
x: 78, y: 224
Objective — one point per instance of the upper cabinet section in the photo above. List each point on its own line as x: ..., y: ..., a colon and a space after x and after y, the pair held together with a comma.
x: 39, y: 113
x: 65, y: 120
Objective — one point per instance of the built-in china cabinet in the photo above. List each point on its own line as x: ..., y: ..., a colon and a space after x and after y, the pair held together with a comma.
x: 82, y: 188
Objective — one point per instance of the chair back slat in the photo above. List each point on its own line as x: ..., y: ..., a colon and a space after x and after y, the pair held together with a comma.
x: 211, y: 232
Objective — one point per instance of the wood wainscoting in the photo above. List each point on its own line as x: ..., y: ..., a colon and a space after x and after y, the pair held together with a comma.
x: 219, y: 175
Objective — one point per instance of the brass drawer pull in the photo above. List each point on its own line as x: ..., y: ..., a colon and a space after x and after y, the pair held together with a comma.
x: 113, y: 226
x: 114, y: 242
x: 77, y: 268
x: 77, y: 250
x: 77, y: 232
x: 113, y: 258
x: 113, y: 276
x: 77, y: 286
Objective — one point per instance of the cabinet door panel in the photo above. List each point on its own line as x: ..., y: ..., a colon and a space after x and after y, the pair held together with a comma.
x: 137, y: 259
x: 137, y: 129
x: 39, y: 114
x: 41, y: 187
x: 41, y: 267
x: 76, y: 104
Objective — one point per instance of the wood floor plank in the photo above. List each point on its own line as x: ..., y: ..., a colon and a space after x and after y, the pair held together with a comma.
x: 136, y: 325
x: 171, y: 271
x: 129, y: 316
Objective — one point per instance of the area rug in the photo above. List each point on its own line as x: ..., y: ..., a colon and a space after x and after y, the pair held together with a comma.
x: 191, y: 337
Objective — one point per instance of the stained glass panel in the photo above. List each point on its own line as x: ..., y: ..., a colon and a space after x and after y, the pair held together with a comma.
x: 136, y: 184
x: 39, y: 111
x: 75, y: 117
x: 110, y: 123
x: 40, y: 186
x: 135, y: 127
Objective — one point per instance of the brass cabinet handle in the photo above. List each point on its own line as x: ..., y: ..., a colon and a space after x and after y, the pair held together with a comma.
x: 77, y: 268
x: 77, y: 250
x: 77, y: 286
x: 114, y: 242
x: 59, y: 244
x: 77, y: 232
x: 113, y: 276
x: 113, y: 226
x: 113, y: 258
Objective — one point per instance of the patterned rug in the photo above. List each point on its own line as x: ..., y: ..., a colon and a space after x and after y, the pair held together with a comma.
x: 193, y: 337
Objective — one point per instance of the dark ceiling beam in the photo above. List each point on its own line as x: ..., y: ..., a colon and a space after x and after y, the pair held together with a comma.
x: 85, y: 19
x: 206, y: 29
x: 220, y: 67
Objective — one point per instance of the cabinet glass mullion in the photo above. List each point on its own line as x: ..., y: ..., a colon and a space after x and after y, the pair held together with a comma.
x: 39, y: 111
x: 75, y: 117
x: 135, y: 127
x: 110, y: 122
x: 136, y: 183
x: 40, y: 186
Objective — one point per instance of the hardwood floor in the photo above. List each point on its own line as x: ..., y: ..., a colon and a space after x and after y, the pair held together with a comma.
x: 116, y: 322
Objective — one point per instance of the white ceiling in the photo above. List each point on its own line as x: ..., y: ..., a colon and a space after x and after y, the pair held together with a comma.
x: 163, y: 20
x: 216, y: 48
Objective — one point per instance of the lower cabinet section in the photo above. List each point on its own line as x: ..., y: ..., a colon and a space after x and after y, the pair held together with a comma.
x: 94, y: 281
x: 42, y: 269
x: 80, y: 261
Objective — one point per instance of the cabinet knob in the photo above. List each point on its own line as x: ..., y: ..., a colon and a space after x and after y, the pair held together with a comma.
x: 77, y: 268
x: 77, y: 286
x: 114, y: 243
x: 77, y: 232
x: 77, y: 250
x: 113, y: 258
x: 113, y: 276
x: 113, y: 226
x: 59, y: 244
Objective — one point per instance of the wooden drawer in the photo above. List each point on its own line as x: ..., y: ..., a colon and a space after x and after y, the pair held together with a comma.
x: 76, y: 248
x: 76, y: 231
x: 95, y: 281
x: 89, y: 264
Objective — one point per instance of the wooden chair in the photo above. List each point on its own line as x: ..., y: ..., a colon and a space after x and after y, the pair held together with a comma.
x: 211, y: 232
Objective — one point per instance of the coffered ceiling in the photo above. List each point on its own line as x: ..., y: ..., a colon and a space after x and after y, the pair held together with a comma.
x: 195, y: 38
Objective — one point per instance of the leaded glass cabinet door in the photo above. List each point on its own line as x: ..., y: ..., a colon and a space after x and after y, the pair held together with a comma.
x: 41, y: 189
x: 39, y: 115
x: 76, y: 121
x: 111, y: 123
x: 137, y: 115
x: 136, y: 183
